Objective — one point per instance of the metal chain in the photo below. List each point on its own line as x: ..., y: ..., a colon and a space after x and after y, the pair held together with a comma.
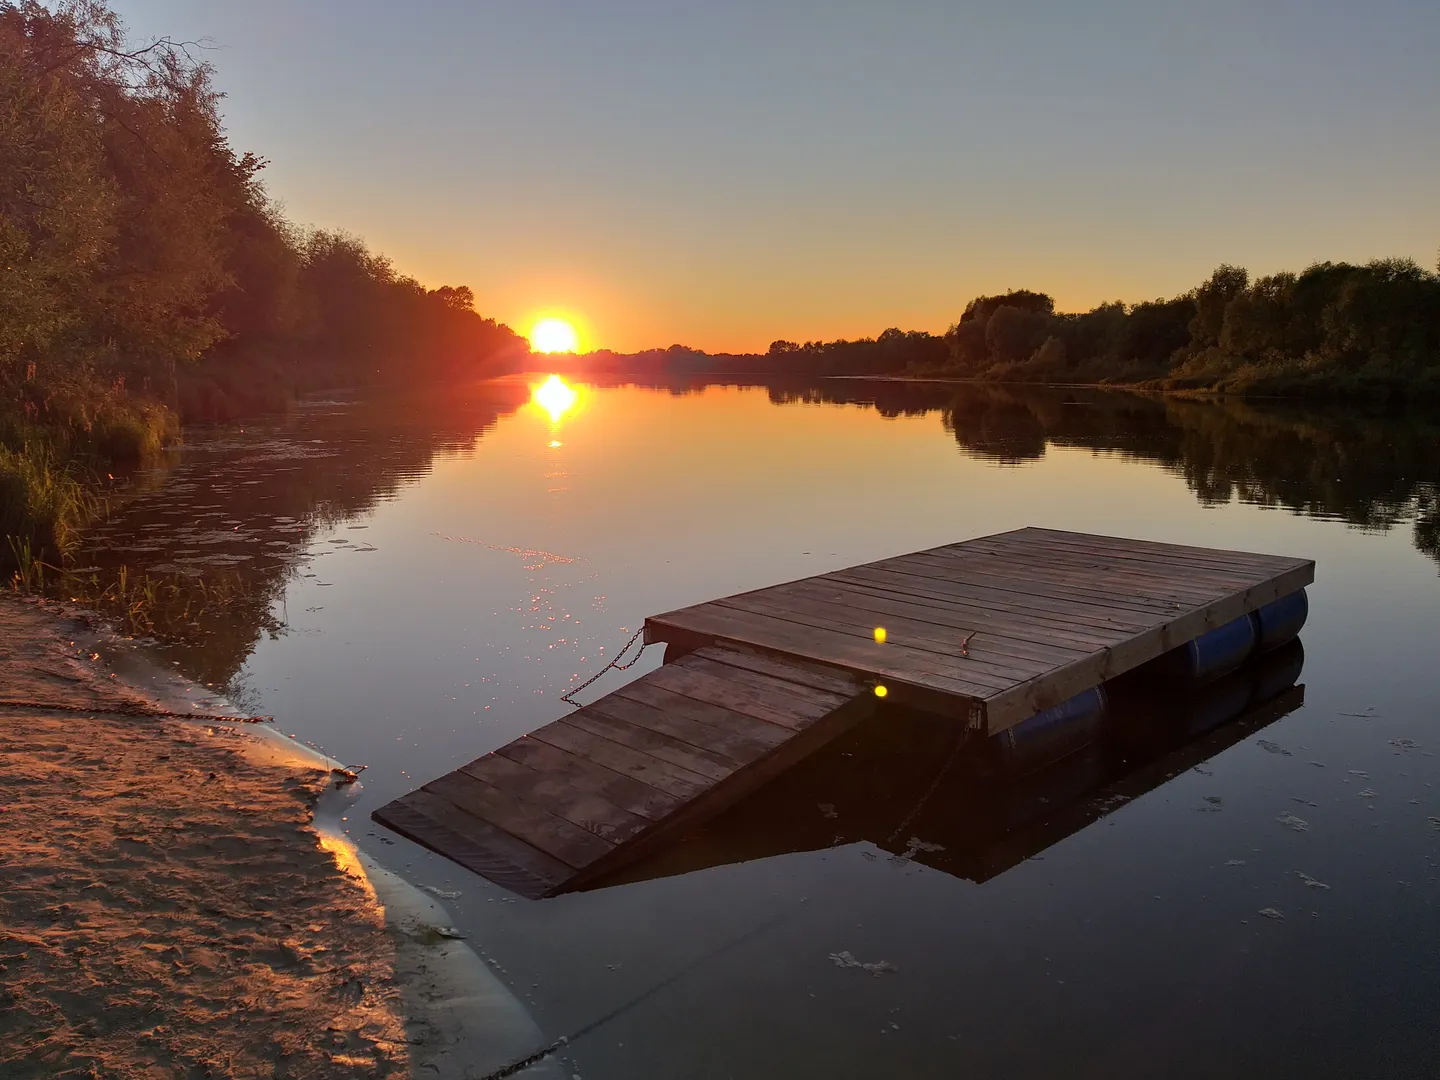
x: 569, y: 696
x: 960, y: 744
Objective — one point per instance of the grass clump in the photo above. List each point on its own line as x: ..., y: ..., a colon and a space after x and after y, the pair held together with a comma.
x: 59, y: 442
x: 43, y: 505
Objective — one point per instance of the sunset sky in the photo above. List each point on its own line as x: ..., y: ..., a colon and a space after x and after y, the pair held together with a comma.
x: 723, y: 174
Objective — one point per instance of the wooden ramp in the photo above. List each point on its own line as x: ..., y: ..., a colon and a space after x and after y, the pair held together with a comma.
x: 994, y: 630
x: 989, y: 631
x: 619, y: 778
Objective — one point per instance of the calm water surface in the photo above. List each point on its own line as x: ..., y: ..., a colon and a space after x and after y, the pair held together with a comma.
x: 428, y: 575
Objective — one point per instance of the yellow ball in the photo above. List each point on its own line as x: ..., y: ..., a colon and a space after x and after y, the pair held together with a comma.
x: 880, y: 634
x: 881, y: 691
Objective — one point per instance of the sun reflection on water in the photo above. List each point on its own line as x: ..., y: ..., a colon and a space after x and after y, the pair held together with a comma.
x: 555, y: 397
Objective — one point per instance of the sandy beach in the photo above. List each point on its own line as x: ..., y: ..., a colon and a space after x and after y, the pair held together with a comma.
x: 166, y: 906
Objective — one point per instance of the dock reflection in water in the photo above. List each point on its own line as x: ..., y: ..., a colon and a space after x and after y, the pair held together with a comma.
x: 911, y: 784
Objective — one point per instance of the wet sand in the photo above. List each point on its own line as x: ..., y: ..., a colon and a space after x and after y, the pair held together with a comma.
x: 167, y: 907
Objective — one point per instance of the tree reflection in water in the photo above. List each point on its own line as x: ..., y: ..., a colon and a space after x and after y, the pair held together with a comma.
x: 1371, y: 469
x: 250, y: 503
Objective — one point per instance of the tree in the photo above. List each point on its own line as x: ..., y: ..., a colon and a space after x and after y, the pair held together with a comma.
x: 1050, y: 357
x: 1013, y: 333
x: 458, y: 298
x: 968, y: 347
x: 982, y: 307
x: 1211, y: 299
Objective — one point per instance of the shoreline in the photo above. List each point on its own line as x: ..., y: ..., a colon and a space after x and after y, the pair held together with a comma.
x: 254, y: 932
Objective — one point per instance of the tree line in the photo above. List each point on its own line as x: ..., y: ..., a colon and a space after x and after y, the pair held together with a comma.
x: 141, y: 256
x: 1334, y: 328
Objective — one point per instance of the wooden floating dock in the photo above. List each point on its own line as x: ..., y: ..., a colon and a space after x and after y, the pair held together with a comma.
x: 988, y: 632
x: 892, y: 783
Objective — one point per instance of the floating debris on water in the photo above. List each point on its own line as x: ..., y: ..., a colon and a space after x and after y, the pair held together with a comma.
x: 1213, y: 804
x: 1310, y: 882
x: 1318, y: 764
x: 1234, y: 862
x: 1271, y: 748
x: 827, y: 810
x: 915, y: 846
x: 846, y: 960
x: 1273, y: 913
x: 1290, y: 821
x: 444, y: 894
x: 1359, y: 772
x: 1368, y: 793
x: 1405, y: 744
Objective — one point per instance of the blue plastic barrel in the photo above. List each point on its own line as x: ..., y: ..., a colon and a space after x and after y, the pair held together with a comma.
x: 1280, y: 620
x: 1212, y: 655
x: 1278, y: 669
x: 1217, y: 702
x: 1053, y: 733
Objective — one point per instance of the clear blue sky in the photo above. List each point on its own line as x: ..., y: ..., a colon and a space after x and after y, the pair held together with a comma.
x: 726, y: 173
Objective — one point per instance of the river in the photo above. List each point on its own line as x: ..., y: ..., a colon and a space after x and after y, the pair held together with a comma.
x: 416, y: 578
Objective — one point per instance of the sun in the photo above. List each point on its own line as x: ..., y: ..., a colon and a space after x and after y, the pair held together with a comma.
x: 553, y: 336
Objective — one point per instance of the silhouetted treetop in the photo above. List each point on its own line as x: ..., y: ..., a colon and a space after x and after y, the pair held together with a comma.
x: 982, y: 307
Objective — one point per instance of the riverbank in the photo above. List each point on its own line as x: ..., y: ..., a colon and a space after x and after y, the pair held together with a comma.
x: 1318, y: 391
x: 170, y: 907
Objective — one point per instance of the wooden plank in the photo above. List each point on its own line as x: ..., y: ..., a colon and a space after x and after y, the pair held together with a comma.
x: 648, y: 769
x: 533, y: 824
x: 1060, y: 595
x: 764, y: 683
x: 1137, y: 588
x: 1004, y: 633
x: 988, y: 658
x: 727, y: 794
x: 1275, y: 564
x: 1051, y: 620
x: 1010, y: 707
x: 1151, y: 577
x: 590, y: 811
x: 920, y: 695
x: 1145, y: 572
x: 693, y: 759
x: 1087, y: 617
x: 1147, y: 576
x: 895, y: 664
x: 737, y: 748
x: 644, y: 692
x: 476, y: 845
x: 946, y: 644
x: 777, y: 706
x: 832, y: 680
x: 988, y: 639
x: 1106, y: 591
x: 1141, y: 560
x: 624, y: 791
